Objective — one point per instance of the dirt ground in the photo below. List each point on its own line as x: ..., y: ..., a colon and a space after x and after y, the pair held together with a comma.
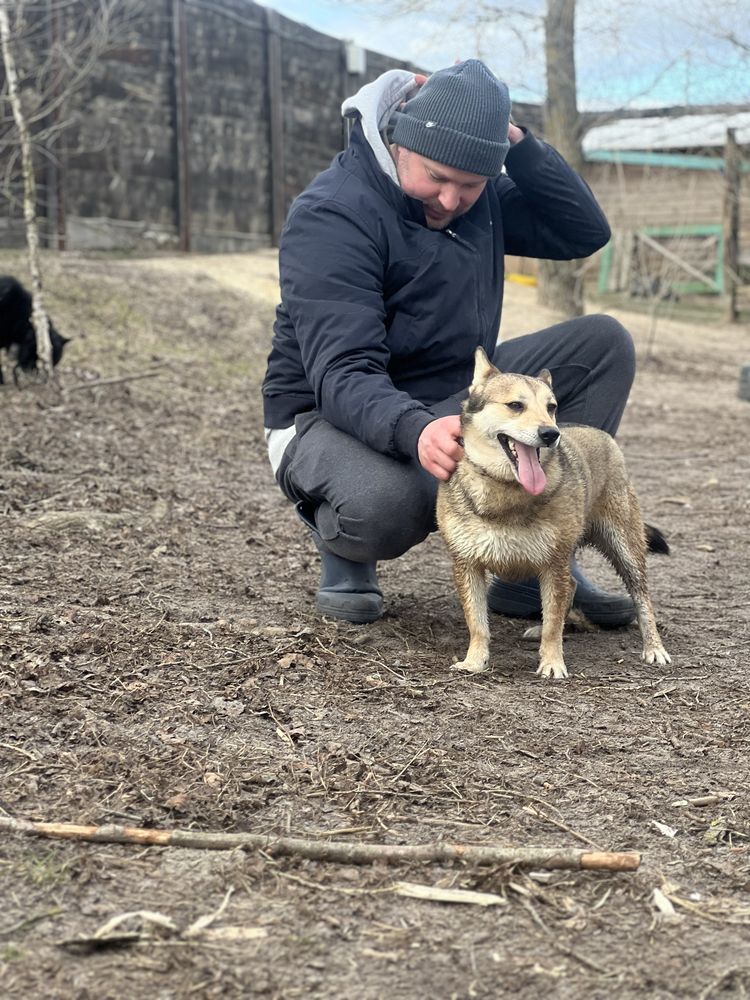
x: 161, y: 666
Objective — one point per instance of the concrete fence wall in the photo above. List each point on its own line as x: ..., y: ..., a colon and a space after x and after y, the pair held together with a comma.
x: 196, y: 129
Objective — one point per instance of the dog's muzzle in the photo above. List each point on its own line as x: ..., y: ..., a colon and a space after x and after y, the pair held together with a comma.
x: 549, y: 436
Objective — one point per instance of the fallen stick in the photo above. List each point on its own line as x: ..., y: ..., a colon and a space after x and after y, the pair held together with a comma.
x: 345, y: 852
x: 704, y: 800
x: 115, y: 379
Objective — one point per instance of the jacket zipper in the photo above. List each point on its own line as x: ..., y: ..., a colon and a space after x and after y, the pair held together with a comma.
x: 481, y: 318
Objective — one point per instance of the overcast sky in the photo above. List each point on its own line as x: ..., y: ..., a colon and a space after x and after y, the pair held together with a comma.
x: 629, y: 52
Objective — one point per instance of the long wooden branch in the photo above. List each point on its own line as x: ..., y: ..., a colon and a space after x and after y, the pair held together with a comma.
x: 345, y: 852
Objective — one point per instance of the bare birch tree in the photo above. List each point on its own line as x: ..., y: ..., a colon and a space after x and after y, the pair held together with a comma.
x: 39, y: 316
x: 49, y: 51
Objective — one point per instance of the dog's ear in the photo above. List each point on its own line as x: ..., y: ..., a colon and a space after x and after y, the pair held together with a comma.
x: 473, y: 403
x: 483, y: 367
x: 545, y: 376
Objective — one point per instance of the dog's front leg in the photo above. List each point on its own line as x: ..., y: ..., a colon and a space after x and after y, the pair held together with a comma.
x: 471, y: 584
x: 557, y: 588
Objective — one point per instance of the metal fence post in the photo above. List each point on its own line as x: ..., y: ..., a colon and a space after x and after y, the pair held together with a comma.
x: 731, y: 221
x: 182, y: 139
x: 275, y: 124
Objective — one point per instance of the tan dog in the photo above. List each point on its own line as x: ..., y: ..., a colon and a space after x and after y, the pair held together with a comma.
x: 508, y: 511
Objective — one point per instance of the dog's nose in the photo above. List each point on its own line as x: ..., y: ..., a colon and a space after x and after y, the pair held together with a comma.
x: 548, y: 435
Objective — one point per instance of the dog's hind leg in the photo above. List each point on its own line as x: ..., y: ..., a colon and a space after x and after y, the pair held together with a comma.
x: 471, y: 584
x: 557, y: 587
x: 623, y: 542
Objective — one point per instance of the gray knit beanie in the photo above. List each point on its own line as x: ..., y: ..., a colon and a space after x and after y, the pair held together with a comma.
x: 459, y: 118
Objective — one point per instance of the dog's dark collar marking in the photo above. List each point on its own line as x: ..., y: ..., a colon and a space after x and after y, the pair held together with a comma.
x: 470, y: 502
x: 479, y: 470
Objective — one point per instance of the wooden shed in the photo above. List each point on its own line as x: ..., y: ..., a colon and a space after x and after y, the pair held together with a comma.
x: 662, y: 181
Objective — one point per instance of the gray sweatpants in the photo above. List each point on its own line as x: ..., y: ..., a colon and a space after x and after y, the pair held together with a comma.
x: 368, y: 507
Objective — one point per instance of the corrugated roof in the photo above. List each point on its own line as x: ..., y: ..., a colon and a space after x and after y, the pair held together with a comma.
x: 685, y: 132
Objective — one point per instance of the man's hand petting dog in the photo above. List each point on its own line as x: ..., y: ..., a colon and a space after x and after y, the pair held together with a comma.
x: 439, y: 447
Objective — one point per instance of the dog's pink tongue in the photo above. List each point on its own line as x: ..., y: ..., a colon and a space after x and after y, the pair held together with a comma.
x: 530, y: 473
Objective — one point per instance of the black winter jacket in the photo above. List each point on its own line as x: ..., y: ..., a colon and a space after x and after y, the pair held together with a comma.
x: 380, y: 315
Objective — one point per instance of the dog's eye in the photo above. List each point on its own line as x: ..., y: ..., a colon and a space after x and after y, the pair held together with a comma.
x: 515, y: 406
x: 552, y: 409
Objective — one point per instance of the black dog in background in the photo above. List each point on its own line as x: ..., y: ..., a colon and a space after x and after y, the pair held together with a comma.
x: 17, y: 335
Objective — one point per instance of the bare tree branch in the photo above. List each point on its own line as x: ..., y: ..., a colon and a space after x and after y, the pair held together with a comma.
x: 344, y: 852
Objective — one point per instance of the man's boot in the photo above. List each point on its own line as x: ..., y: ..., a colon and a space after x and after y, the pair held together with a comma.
x: 348, y: 590
x: 523, y: 600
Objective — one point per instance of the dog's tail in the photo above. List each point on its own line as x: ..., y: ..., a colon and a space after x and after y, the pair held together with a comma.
x: 655, y: 541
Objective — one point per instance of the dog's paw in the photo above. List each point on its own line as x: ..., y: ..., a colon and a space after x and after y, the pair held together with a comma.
x: 656, y: 655
x: 534, y: 632
x: 471, y: 666
x: 554, y: 669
